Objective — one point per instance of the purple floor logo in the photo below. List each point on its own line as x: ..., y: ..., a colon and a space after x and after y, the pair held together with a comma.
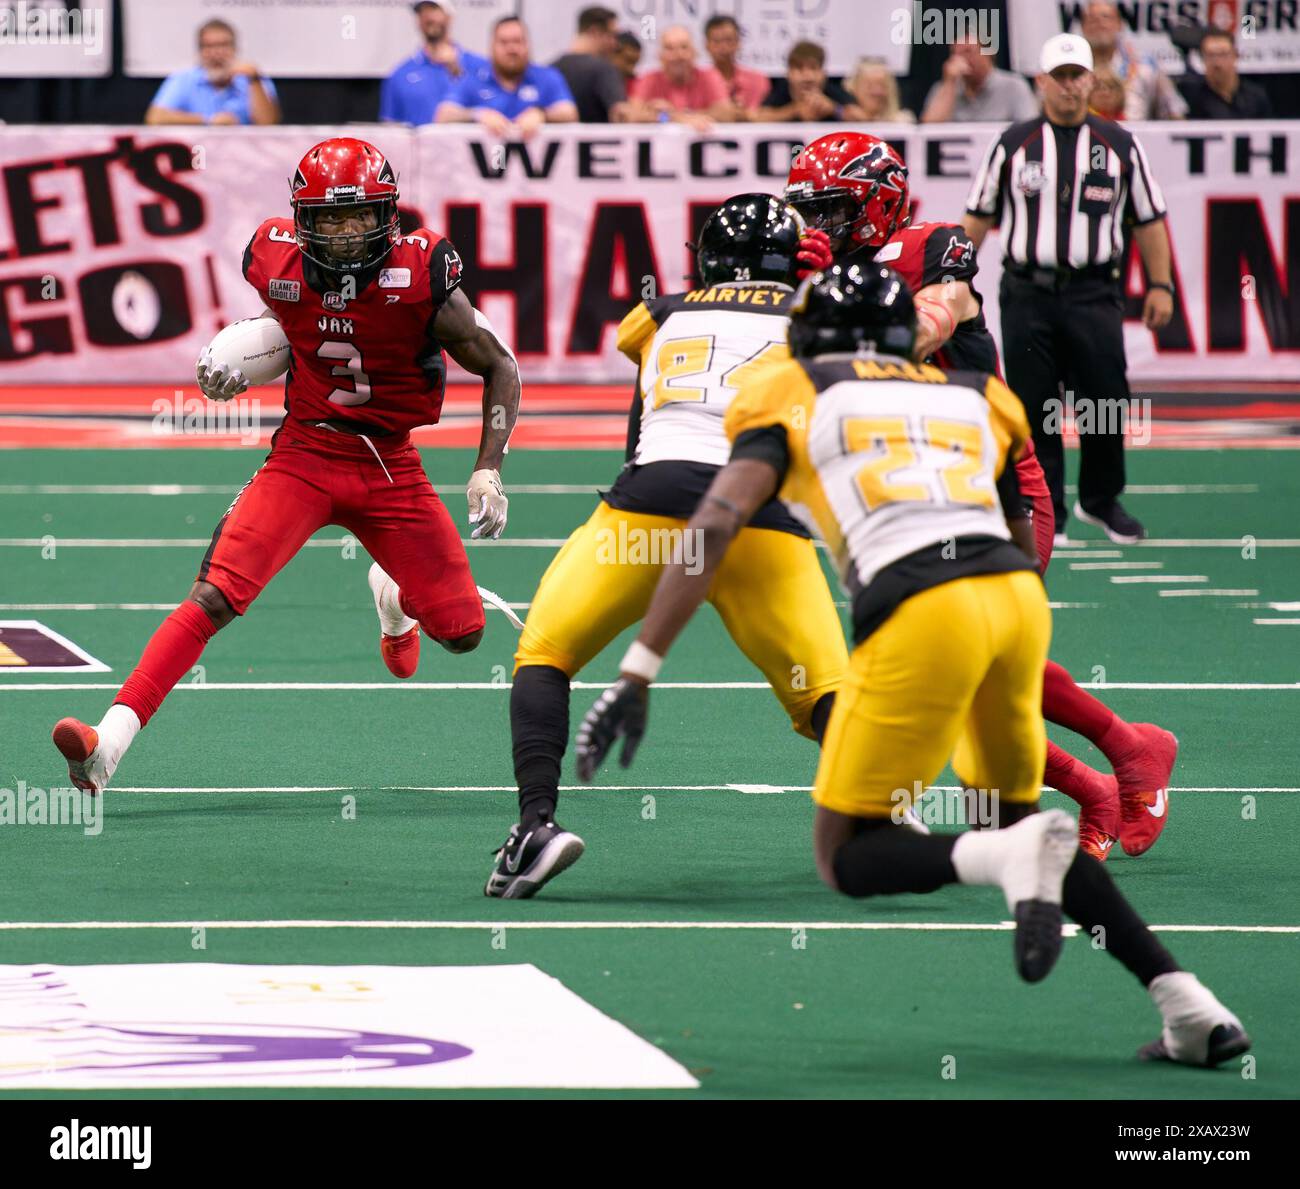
x: 222, y: 1050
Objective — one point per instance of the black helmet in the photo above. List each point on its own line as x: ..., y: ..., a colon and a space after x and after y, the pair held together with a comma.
x: 752, y: 237
x: 853, y: 307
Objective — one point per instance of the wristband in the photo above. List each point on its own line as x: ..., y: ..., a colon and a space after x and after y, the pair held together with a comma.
x: 641, y: 661
x: 1165, y: 285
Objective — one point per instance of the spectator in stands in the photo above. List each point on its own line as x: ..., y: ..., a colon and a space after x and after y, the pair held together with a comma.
x: 627, y: 57
x: 594, y: 81
x: 221, y: 89
x: 1107, y: 98
x: 745, y: 88
x: 972, y: 88
x: 1148, y: 94
x: 411, y: 94
x: 875, y: 95
x: 680, y: 91
x: 806, y: 94
x: 1223, y: 94
x: 511, y: 96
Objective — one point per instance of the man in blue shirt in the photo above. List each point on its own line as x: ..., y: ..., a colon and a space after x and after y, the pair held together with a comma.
x: 219, y: 90
x: 511, y: 96
x: 411, y: 94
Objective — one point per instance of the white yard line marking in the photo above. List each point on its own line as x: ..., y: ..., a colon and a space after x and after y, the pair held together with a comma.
x: 204, y: 542
x: 151, y: 606
x: 590, y: 788
x: 231, y: 489
x: 1160, y: 578
x: 1218, y: 543
x: 1276, y: 622
x: 1186, y: 488
x: 521, y: 488
x: 783, y: 926
x: 1176, y: 594
x: 1117, y: 565
x: 1268, y: 606
x: 89, y: 606
x: 542, y: 542
x: 1065, y: 554
x: 276, y: 686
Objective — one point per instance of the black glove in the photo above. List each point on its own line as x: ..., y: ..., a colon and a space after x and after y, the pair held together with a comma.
x: 620, y: 710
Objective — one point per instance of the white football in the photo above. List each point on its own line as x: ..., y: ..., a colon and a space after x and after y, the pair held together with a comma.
x: 255, y: 346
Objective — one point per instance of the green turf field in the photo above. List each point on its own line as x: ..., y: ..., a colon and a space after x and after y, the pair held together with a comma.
x: 683, y: 919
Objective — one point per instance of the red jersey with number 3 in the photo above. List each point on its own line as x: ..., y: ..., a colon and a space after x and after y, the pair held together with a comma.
x: 371, y: 359
x: 930, y: 254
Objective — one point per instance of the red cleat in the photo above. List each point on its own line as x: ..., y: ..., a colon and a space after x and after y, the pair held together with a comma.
x: 1095, y: 842
x: 401, y: 653
x: 399, y: 640
x: 1144, y: 788
x: 78, y: 743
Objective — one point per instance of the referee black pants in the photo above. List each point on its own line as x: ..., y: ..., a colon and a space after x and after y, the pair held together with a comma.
x: 1070, y: 340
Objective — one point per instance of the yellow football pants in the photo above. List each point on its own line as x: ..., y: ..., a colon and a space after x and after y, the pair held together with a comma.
x: 958, y: 666
x: 769, y: 591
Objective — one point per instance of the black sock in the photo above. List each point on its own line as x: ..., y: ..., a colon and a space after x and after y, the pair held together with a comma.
x: 821, y: 713
x: 886, y: 859
x: 1091, y: 898
x: 539, y: 727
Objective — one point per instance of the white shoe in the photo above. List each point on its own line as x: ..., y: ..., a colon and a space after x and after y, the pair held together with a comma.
x: 1028, y: 861
x: 1198, y: 1029
x: 93, y: 753
x: 393, y: 621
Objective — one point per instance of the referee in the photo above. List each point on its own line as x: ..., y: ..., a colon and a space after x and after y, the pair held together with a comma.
x: 1063, y: 188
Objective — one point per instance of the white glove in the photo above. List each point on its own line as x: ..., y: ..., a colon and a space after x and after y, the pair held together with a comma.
x: 218, y: 381
x: 487, y: 503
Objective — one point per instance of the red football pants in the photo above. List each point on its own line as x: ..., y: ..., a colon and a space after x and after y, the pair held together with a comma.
x: 315, y: 477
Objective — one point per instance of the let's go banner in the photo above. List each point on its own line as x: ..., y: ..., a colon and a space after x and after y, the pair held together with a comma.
x: 120, y: 248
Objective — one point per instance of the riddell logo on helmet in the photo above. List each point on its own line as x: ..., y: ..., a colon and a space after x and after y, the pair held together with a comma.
x: 345, y: 193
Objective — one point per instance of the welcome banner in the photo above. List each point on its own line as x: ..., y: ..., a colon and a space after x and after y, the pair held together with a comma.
x: 120, y: 248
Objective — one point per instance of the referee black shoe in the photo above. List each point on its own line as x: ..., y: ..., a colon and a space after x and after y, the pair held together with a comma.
x: 529, y: 858
x: 1111, y: 518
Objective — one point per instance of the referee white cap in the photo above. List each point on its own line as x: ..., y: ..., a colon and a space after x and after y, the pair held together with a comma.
x: 1065, y: 49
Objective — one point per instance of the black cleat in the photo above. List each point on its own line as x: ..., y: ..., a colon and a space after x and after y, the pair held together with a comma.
x: 527, y: 860
x: 1038, y: 938
x: 1111, y: 518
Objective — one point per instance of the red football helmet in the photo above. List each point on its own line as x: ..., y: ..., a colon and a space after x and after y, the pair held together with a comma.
x: 342, y: 173
x: 851, y: 185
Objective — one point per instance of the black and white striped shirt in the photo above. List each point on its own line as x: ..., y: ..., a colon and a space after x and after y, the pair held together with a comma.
x: 1062, y: 195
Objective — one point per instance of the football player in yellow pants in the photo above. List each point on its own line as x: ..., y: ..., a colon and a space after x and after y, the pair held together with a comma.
x: 693, y: 350
x: 904, y: 466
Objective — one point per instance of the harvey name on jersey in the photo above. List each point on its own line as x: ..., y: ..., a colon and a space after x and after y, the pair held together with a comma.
x: 370, y: 358
x: 693, y: 352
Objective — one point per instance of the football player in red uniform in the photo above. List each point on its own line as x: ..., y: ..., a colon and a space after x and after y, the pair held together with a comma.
x: 852, y: 189
x: 368, y: 313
